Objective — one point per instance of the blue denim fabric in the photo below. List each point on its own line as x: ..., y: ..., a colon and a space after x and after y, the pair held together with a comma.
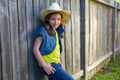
x: 49, y: 42
x: 60, y: 30
x: 60, y: 73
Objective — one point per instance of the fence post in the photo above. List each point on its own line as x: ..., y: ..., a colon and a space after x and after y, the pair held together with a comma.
x: 114, y: 31
x: 83, y: 29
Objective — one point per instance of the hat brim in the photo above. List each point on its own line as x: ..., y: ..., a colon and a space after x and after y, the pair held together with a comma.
x: 66, y: 16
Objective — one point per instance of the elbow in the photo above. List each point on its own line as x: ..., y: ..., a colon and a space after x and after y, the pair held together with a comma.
x: 35, y: 50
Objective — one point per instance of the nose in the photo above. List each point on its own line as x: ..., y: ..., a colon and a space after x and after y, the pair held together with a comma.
x: 56, y: 21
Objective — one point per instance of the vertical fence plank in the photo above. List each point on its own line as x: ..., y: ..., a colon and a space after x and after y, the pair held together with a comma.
x: 37, y: 13
x: 68, y: 46
x: 47, y: 3
x: 114, y: 16
x: 110, y: 29
x: 99, y: 29
x: 5, y: 40
x: 41, y: 6
x: 118, y: 28
x: 14, y: 39
x: 93, y: 32
x: 23, y: 39
x: 102, y: 31
x: 73, y: 40
x: 105, y: 29
x: 29, y: 21
x: 75, y: 26
x: 90, y: 47
x: 62, y: 40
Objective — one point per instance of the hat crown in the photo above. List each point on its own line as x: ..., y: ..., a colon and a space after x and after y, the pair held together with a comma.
x: 54, y: 6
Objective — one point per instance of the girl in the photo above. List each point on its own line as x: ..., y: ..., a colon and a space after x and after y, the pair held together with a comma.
x: 47, y: 46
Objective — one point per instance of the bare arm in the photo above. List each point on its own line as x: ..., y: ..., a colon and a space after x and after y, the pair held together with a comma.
x: 47, y: 67
x: 37, y: 52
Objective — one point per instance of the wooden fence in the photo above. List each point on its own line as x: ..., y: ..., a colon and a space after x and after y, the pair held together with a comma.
x: 102, y: 30
x: 99, y: 34
x: 91, y: 36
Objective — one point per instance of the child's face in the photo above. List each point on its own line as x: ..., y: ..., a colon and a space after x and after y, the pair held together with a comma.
x: 55, y: 20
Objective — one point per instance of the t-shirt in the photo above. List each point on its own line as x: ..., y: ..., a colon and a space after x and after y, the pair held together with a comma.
x: 54, y: 56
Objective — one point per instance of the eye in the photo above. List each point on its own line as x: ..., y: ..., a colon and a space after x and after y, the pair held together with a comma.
x: 59, y: 19
x: 52, y: 18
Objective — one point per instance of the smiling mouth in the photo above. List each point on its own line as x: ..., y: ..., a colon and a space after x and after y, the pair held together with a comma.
x: 55, y: 25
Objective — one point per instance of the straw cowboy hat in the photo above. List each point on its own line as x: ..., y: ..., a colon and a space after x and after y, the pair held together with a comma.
x: 56, y: 8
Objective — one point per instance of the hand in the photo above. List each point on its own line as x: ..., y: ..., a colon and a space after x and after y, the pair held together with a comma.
x: 49, y: 69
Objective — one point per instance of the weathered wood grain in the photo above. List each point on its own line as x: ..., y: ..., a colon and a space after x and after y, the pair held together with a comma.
x: 93, y: 32
x: 14, y: 36
x: 68, y: 44
x: 23, y: 39
x: 28, y: 32
x: 75, y: 36
x: 118, y: 28
x: 19, y: 20
x: 63, y: 42
x: 5, y: 41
